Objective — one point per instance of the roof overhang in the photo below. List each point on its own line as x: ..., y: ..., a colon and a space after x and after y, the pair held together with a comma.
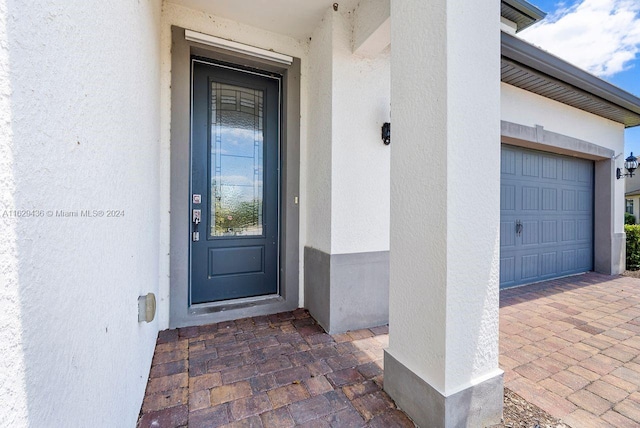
x: 530, y: 68
x: 293, y: 18
x: 521, y: 12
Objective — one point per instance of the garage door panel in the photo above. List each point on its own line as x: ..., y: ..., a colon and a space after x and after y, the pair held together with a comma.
x: 569, y: 200
x: 568, y: 231
x: 584, y: 258
x: 549, y: 263
x: 508, y: 162
x: 569, y: 261
x: 507, y: 269
x: 530, y: 165
x: 569, y: 170
x: 508, y: 197
x: 507, y: 234
x: 549, y: 167
x: 552, y: 197
x: 549, y: 199
x: 530, y: 266
x: 549, y: 231
x: 584, y: 229
x: 530, y: 232
x: 530, y: 198
x: 584, y: 201
x: 585, y: 173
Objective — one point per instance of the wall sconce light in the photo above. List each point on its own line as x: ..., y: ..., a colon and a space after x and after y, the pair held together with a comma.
x: 386, y: 134
x: 630, y: 164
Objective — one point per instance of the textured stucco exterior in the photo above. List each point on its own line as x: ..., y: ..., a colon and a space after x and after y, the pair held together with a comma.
x: 318, y: 162
x: 444, y: 269
x: 443, y: 305
x: 79, y: 108
x: 85, y: 124
x: 527, y: 108
x: 348, y: 176
x: 359, y: 159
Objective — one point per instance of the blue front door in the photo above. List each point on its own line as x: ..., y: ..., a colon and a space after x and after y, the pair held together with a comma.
x: 234, y: 183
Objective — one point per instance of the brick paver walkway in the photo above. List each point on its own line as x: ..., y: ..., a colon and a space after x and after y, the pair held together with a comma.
x: 572, y: 346
x: 274, y: 371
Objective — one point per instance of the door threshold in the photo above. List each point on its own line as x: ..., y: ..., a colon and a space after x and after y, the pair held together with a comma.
x: 226, y: 305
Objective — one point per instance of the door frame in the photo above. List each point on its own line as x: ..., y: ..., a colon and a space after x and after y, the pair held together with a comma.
x: 181, y: 313
x: 264, y: 75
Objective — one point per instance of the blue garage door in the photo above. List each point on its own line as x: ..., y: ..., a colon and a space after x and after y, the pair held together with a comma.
x: 546, y: 216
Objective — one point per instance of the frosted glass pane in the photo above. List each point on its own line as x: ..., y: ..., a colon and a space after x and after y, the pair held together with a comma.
x: 236, y: 161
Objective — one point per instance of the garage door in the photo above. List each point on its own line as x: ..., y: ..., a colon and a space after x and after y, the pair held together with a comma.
x: 546, y: 216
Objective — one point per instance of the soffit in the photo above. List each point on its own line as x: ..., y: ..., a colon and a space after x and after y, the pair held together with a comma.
x: 294, y: 18
x: 521, y: 12
x: 530, y: 68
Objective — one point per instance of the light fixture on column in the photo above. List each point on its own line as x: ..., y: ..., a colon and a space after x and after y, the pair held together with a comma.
x: 386, y: 133
x: 630, y: 164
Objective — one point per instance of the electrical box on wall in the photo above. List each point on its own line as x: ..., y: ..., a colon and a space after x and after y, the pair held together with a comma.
x: 146, y: 308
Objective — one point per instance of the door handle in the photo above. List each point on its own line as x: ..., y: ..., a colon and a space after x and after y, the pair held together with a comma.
x: 518, y: 228
x: 196, y: 216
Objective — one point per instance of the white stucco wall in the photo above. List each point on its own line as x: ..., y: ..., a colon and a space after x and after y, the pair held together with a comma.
x: 318, y: 156
x: 348, y: 176
x: 360, y: 161
x: 444, y: 267
x: 371, y: 27
x: 79, y: 127
x: 529, y: 109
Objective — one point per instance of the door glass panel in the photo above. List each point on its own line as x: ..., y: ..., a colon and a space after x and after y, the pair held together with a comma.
x: 236, y: 161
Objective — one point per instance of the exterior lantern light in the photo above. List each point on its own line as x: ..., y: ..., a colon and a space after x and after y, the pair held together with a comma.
x: 630, y: 164
x: 386, y: 133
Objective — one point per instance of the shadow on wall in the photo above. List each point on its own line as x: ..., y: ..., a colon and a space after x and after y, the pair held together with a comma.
x: 82, y: 150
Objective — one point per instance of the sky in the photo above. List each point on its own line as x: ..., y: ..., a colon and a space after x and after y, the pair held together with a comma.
x: 599, y: 36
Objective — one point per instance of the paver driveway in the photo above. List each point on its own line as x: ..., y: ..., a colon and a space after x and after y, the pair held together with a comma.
x: 572, y: 347
x: 272, y: 371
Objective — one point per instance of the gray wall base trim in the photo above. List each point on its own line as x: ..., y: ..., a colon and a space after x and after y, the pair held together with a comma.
x: 347, y: 291
x: 619, y: 247
x: 477, y: 406
x: 317, y: 282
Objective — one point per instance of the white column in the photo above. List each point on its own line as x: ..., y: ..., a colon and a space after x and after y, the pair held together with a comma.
x: 442, y: 363
x: 347, y: 250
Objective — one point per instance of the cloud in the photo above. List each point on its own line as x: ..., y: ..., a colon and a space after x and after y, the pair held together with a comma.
x: 599, y: 36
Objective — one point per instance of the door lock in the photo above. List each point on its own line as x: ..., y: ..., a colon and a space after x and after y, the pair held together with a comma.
x: 195, y: 219
x: 518, y: 228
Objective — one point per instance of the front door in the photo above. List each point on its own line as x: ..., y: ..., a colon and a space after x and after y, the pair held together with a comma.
x: 234, y: 183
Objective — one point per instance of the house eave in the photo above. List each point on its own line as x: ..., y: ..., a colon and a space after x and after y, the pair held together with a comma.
x: 529, y: 67
x: 521, y: 12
